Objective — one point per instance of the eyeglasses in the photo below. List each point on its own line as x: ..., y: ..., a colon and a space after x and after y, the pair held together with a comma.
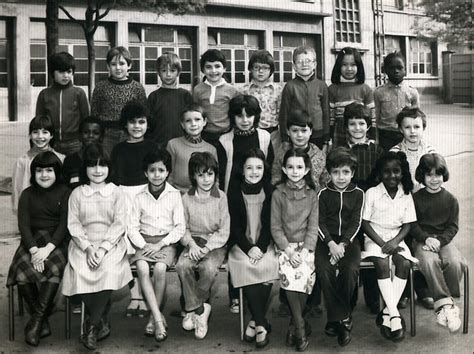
x: 261, y: 68
x: 305, y: 62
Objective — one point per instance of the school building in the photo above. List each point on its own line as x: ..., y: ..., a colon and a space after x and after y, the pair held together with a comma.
x: 237, y: 27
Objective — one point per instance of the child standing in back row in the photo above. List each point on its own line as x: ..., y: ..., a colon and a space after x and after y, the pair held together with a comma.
x: 111, y: 95
x: 348, y: 77
x: 390, y: 99
x: 214, y: 95
x: 64, y: 103
x: 307, y: 93
x: 167, y: 104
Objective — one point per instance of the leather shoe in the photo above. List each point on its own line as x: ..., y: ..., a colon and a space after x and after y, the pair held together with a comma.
x: 45, y: 329
x: 262, y: 336
x: 344, y: 332
x: 104, y: 330
x: 399, y: 334
x: 384, y: 330
x: 32, y: 331
x: 427, y: 303
x: 302, y: 344
x: 290, y: 338
x: 331, y: 329
x: 89, y: 338
x: 403, y: 302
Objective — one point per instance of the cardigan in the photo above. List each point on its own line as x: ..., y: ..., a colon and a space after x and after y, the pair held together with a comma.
x: 366, y: 153
x: 294, y: 216
x: 310, y: 96
x: 238, y: 219
x: 67, y: 106
x: 437, y: 215
x: 340, y: 213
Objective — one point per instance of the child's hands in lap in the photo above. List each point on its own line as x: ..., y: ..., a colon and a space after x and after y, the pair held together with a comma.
x: 391, y: 247
x: 295, y: 259
x: 432, y: 244
x: 195, y: 252
x: 152, y: 250
x: 255, y: 254
x: 39, y: 267
x: 91, y: 257
x: 336, y: 251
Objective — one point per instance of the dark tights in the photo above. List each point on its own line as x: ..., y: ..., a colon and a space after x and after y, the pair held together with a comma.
x: 257, y: 299
x: 297, y: 302
x: 95, y: 304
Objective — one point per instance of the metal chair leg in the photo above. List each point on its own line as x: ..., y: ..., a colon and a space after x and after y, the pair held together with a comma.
x: 241, y: 313
x: 83, y: 316
x: 11, y: 314
x: 412, y: 305
x: 68, y: 317
x: 465, y: 327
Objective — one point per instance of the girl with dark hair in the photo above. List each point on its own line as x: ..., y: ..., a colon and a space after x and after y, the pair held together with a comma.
x: 42, y: 254
x: 98, y: 253
x: 348, y: 77
x: 388, y: 214
x: 253, y: 263
x: 294, y: 227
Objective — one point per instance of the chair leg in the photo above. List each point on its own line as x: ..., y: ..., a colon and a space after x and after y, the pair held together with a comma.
x: 68, y: 318
x: 412, y: 305
x: 465, y: 327
x: 21, y: 308
x: 241, y: 313
x: 83, y: 316
x: 11, y: 314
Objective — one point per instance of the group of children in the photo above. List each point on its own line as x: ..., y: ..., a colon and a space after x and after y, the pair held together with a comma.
x: 190, y: 180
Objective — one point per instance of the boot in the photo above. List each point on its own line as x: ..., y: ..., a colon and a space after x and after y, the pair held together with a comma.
x: 29, y: 292
x: 89, y: 338
x: 104, y: 326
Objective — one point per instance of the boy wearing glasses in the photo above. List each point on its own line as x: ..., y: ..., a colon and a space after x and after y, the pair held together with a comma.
x: 307, y: 93
x: 267, y: 92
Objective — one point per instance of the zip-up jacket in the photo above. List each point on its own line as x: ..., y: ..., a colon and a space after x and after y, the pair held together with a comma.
x: 66, y: 105
x: 340, y: 213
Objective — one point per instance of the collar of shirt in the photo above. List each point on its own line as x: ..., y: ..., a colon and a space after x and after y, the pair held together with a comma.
x: 168, y: 188
x: 311, y: 78
x: 366, y: 142
x: 383, y: 190
x: 402, y: 84
x: 404, y: 146
x: 268, y: 83
x: 349, y: 188
x: 105, y: 191
x: 212, y: 97
x: 214, y: 191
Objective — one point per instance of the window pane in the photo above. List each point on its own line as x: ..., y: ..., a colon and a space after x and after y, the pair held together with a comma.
x: 239, y: 78
x: 212, y: 38
x: 185, y: 53
x: 151, y: 53
x: 37, y: 30
x: 170, y: 50
x: 38, y: 50
x: 136, y: 65
x: 3, y: 29
x: 287, y: 56
x: 184, y: 38
x: 80, y: 51
x: 185, y: 78
x: 63, y: 48
x: 186, y: 64
x: 101, y: 77
x: 159, y: 34
x: 71, y: 30
x: 134, y: 34
x: 239, y: 55
x: 82, y: 65
x: 252, y: 40
x: 81, y: 79
x: 227, y: 77
x: 287, y: 66
x: 38, y: 65
x: 38, y: 80
x: 3, y: 80
x: 135, y: 76
x: 3, y: 65
x: 151, y: 79
x: 150, y: 65
x: 239, y: 66
x: 287, y: 77
x: 134, y: 51
x: 227, y: 54
x: 292, y: 41
x: 276, y: 41
x: 422, y: 68
x: 101, y: 51
x: 232, y: 38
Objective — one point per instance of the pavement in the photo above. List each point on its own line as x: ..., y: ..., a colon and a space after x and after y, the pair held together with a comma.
x: 450, y: 129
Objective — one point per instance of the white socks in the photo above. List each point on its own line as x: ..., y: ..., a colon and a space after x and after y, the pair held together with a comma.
x: 389, y: 292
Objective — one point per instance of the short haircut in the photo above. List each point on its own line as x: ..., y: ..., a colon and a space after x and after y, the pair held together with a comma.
x: 200, y: 162
x: 357, y: 110
x: 42, y: 122
x: 62, y: 61
x: 118, y: 52
x: 132, y: 110
x: 303, y: 50
x: 262, y: 57
x: 94, y: 155
x: 388, y: 59
x: 194, y: 107
x: 156, y: 156
x: 92, y: 120
x: 429, y: 162
x: 336, y: 70
x: 169, y: 59
x: 341, y: 156
x: 299, y: 118
x: 411, y: 112
x: 43, y: 160
x: 247, y: 102
x: 210, y: 56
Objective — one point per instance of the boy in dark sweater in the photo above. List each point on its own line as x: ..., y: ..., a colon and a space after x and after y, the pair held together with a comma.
x: 64, y: 103
x: 340, y: 217
x: 167, y: 104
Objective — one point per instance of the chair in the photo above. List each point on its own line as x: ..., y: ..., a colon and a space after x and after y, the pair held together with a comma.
x: 11, y: 313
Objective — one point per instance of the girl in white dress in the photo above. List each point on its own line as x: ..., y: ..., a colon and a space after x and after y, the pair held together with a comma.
x: 97, y: 261
x: 388, y: 213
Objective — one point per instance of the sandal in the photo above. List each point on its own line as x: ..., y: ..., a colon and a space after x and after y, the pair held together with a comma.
x: 160, y: 330
x: 150, y: 327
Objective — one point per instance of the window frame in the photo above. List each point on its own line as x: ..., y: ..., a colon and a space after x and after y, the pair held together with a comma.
x: 350, y: 16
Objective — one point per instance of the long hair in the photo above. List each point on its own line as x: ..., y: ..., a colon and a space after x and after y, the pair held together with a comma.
x: 94, y: 154
x: 336, y: 70
x: 376, y: 175
x: 43, y: 160
x: 307, y: 162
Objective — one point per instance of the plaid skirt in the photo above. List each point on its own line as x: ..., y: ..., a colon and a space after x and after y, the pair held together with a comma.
x: 22, y: 271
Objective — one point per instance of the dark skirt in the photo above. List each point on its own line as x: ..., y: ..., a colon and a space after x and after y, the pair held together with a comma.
x: 167, y: 254
x: 22, y: 271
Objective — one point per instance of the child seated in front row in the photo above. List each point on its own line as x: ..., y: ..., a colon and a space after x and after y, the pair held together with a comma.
x: 91, y: 132
x: 294, y: 226
x: 437, y: 212
x: 340, y: 216
x: 193, y: 121
x: 412, y: 123
x: 156, y: 224
x: 388, y: 214
x: 207, y: 230
x: 41, y: 135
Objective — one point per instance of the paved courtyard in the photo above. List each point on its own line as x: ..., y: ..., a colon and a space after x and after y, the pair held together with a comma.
x: 450, y: 130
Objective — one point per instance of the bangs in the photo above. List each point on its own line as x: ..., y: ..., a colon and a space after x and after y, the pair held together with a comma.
x: 97, y: 161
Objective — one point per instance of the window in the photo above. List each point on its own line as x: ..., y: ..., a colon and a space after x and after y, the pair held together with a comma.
x: 346, y: 20
x: 422, y: 59
x: 237, y: 46
x: 71, y: 40
x: 398, y: 4
x: 283, y: 46
x: 5, y: 68
x: 147, y: 43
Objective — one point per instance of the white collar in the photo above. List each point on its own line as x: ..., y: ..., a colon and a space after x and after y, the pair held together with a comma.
x: 383, y: 190
x: 105, y: 191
